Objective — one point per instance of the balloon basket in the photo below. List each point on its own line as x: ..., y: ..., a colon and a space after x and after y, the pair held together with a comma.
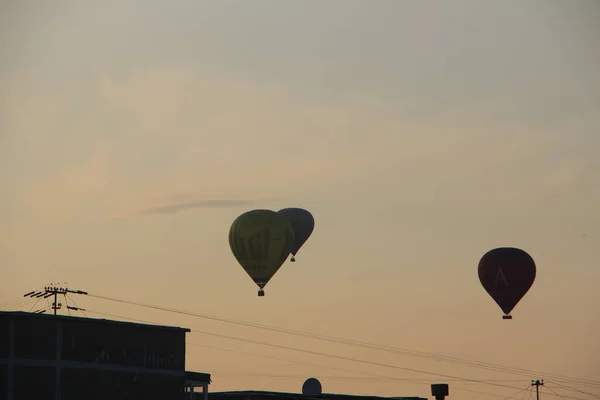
x: 507, y: 317
x: 261, y: 293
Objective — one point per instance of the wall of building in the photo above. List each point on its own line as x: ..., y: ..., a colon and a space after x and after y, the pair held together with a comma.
x: 45, y: 355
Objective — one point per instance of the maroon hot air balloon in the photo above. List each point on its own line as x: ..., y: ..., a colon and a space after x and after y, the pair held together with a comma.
x: 507, y: 273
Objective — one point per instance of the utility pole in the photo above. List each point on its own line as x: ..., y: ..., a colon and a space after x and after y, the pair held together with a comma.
x: 537, y: 383
x: 54, y: 291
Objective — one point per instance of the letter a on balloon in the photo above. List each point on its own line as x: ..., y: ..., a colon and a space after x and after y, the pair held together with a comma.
x: 500, y: 277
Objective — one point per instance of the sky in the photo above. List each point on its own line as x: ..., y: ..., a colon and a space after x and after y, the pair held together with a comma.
x: 420, y: 134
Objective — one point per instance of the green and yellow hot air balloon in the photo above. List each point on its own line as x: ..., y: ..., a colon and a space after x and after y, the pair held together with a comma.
x: 261, y: 241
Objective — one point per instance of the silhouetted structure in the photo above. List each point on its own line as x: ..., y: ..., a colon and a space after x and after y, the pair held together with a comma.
x: 260, y: 395
x: 537, y: 383
x: 71, y: 358
x: 312, y: 387
x: 311, y: 390
x: 439, y: 391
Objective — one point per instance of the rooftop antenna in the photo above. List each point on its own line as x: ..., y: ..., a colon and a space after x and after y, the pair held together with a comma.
x: 53, y: 291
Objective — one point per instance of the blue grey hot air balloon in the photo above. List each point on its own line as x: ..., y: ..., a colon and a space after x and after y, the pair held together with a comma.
x: 303, y: 225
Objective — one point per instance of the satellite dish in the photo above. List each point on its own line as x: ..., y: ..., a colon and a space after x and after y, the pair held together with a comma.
x: 312, y: 387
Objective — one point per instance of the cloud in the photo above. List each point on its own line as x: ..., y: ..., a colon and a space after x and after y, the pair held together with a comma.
x: 172, y: 130
x: 174, y: 208
x: 175, y: 130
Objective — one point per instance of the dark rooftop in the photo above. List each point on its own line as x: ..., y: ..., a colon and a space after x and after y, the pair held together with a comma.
x: 23, y: 314
x: 197, y: 376
x: 251, y: 394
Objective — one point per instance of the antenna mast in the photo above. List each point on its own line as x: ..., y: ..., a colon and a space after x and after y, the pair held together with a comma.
x: 54, y: 291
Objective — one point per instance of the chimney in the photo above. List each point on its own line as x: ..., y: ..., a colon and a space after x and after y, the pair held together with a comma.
x: 439, y: 390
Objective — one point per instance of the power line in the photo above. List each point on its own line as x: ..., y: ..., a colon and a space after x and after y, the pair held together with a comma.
x: 359, y: 360
x: 328, y: 367
x: 332, y: 377
x: 254, y: 354
x: 76, y: 308
x: 384, y: 377
x: 34, y: 304
x: 524, y: 390
x: 344, y: 379
x: 55, y: 291
x: 528, y: 390
x: 335, y: 356
x: 390, y: 349
x: 15, y: 304
x: 559, y: 395
x: 571, y: 388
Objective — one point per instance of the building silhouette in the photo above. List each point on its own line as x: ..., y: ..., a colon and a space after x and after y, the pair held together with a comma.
x: 71, y: 358
x: 264, y: 395
x: 61, y: 357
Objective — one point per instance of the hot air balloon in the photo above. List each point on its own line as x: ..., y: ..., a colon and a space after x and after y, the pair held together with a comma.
x: 261, y: 240
x: 303, y: 224
x: 507, y: 273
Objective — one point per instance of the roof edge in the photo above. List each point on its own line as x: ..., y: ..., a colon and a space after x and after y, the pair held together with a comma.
x: 320, y: 397
x: 96, y: 320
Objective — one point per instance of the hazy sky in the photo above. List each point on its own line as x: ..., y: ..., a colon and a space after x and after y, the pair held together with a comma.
x: 420, y: 134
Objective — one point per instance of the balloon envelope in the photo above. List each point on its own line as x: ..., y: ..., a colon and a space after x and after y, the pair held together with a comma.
x: 261, y: 240
x: 507, y: 273
x: 303, y: 224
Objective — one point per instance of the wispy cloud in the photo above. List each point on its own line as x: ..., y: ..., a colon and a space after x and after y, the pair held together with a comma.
x: 147, y: 147
x: 174, y: 208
